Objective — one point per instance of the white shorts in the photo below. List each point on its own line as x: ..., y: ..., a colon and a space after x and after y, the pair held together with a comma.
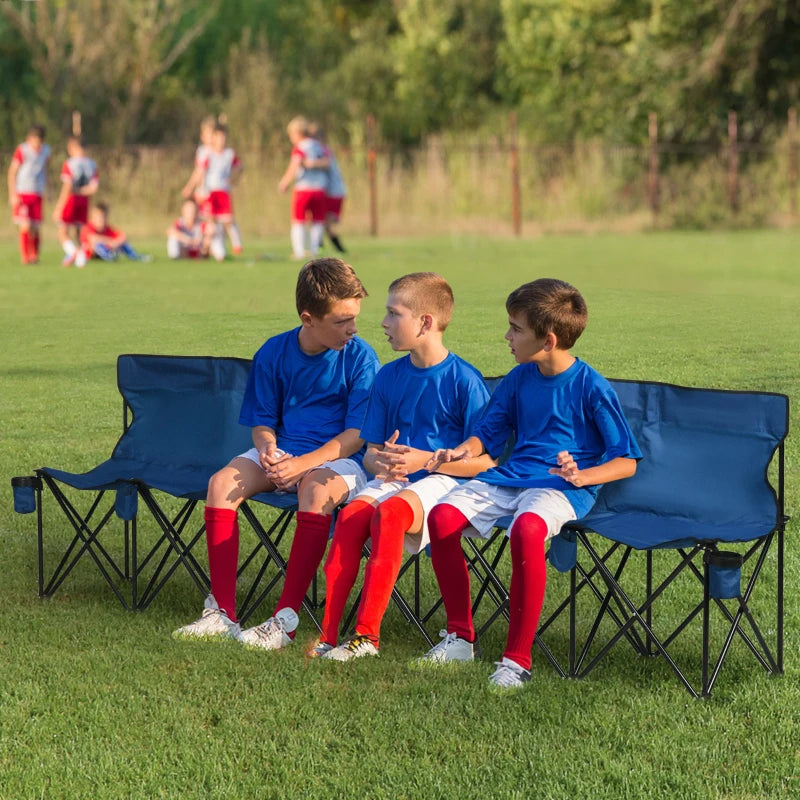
x: 484, y: 503
x: 348, y: 469
x: 430, y: 490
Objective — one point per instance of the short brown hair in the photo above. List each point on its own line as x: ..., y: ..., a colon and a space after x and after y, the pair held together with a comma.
x: 551, y: 305
x: 426, y: 293
x: 322, y: 282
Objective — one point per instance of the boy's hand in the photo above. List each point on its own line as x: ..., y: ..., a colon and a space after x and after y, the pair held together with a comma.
x: 390, y: 462
x: 445, y: 456
x: 12, y: 200
x: 287, y: 472
x: 567, y: 469
x: 283, y: 186
x: 270, y: 454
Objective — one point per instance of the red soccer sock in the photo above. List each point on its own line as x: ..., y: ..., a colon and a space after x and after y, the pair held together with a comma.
x: 388, y: 527
x: 528, y: 579
x: 341, y: 566
x: 446, y: 524
x: 222, y: 538
x: 24, y: 245
x: 305, y: 555
x: 33, y: 247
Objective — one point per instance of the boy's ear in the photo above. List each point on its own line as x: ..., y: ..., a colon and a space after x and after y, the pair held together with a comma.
x: 306, y: 318
x: 550, y: 342
x: 427, y: 322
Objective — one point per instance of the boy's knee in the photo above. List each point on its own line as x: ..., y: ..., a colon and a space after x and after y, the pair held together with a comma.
x: 321, y: 491
x: 444, y: 520
x: 223, y: 490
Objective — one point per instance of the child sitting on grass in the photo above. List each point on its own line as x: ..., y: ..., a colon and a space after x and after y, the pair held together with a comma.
x: 100, y: 240
x: 189, y: 237
x: 418, y: 404
x: 571, y: 437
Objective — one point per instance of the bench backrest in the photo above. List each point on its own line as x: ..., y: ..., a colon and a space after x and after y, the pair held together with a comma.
x: 706, y: 453
x: 185, y: 410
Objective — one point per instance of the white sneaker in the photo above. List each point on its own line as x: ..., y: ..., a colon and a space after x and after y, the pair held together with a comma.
x: 272, y: 634
x: 509, y: 675
x: 214, y: 623
x: 319, y: 649
x: 451, y: 648
x: 355, y: 647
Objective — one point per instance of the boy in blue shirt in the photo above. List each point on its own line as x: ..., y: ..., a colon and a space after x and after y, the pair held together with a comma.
x: 571, y: 437
x: 418, y: 404
x: 305, y: 400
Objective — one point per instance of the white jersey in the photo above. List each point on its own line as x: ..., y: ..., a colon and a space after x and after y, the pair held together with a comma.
x: 336, y: 187
x: 218, y: 169
x: 32, y: 172
x: 310, y: 149
x: 78, y: 171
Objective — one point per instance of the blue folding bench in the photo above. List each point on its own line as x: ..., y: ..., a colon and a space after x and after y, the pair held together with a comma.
x: 703, y: 483
x: 180, y: 425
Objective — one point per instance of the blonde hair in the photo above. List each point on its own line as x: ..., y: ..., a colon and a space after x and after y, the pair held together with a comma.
x: 426, y: 293
x: 299, y: 123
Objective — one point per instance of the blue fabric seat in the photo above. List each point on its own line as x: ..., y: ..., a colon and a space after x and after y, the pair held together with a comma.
x: 180, y: 425
x: 703, y: 482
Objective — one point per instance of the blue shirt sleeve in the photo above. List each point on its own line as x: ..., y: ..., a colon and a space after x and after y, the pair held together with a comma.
x: 614, y: 429
x: 497, y: 422
x: 373, y: 428
x: 359, y: 386
x: 261, y: 404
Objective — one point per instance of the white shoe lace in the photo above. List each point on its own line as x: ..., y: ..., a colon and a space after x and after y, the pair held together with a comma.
x: 447, y: 640
x: 267, y: 631
x: 506, y: 675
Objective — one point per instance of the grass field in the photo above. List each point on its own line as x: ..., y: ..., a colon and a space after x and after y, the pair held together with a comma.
x: 96, y: 702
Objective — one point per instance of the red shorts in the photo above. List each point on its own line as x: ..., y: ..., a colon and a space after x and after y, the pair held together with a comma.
x: 308, y: 201
x: 76, y: 210
x: 204, y: 210
x: 221, y: 205
x: 28, y: 208
x: 333, y: 207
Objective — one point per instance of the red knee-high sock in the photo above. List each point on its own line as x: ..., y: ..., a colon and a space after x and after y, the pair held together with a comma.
x: 222, y: 538
x: 341, y: 566
x: 308, y: 548
x: 33, y: 247
x: 24, y: 245
x: 528, y: 579
x: 389, y: 525
x: 446, y: 524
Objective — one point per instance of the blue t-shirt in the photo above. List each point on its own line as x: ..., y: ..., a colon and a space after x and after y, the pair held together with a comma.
x: 577, y: 410
x: 308, y: 399
x: 432, y: 407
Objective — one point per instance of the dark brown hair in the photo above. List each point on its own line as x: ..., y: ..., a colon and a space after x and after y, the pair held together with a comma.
x: 551, y: 305
x: 322, y: 282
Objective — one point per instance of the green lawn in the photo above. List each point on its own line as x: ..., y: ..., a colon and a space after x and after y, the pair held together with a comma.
x: 96, y: 702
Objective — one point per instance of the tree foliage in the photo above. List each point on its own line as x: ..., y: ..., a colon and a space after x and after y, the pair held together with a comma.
x: 146, y: 70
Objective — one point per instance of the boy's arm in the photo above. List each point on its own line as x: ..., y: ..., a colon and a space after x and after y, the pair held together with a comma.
x: 285, y: 182
x: 613, y: 470
x: 394, y: 462
x: 90, y: 188
x: 60, y: 203
x: 12, y: 182
x: 288, y: 471
x: 317, y: 163
x: 466, y: 451
x: 194, y: 181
